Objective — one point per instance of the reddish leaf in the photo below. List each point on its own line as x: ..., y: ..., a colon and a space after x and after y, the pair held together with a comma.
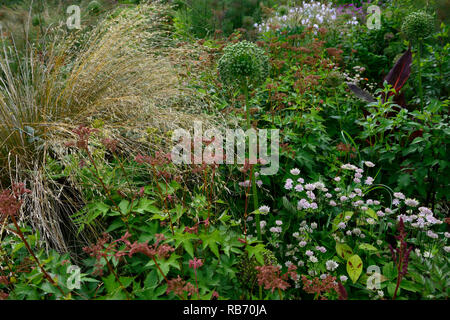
x: 400, y: 72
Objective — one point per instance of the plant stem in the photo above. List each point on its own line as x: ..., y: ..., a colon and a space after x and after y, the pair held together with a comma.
x: 419, y: 57
x: 25, y: 242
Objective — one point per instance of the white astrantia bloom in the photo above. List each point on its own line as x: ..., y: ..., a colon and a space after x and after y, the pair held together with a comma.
x: 411, y: 202
x: 313, y: 259
x: 343, y: 278
x: 264, y: 209
x: 331, y: 265
x: 295, y: 171
x: 369, y: 164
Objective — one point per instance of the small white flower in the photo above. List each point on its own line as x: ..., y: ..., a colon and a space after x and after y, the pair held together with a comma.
x: 298, y: 188
x: 289, y: 184
x: 369, y: 181
x: 333, y: 203
x: 278, y: 222
x: 331, y: 265
x: 380, y: 293
x: 337, y: 179
x: 343, y: 278
x: 264, y: 209
x: 369, y: 164
x: 313, y: 259
x: 302, y: 243
x: 309, y: 253
x: 295, y: 171
x: 399, y: 195
x: 300, y: 180
x: 412, y: 202
x: 313, y: 225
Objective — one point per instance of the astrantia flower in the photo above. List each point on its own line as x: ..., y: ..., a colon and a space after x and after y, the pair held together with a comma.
x: 289, y: 184
x: 311, y: 195
x: 302, y: 243
x: 432, y: 235
x: 264, y: 209
x: 278, y: 222
x: 333, y: 203
x: 348, y: 166
x: 380, y: 213
x: 343, y: 278
x: 343, y: 198
x: 313, y: 225
x: 313, y: 259
x: 309, y: 253
x: 369, y: 164
x: 412, y: 202
x: 295, y: 172
x: 342, y: 225
x: 369, y: 181
x: 328, y: 195
x: 298, y: 188
x: 301, y: 180
x: 356, y: 180
x: 399, y: 195
x: 337, y: 179
x: 310, y: 187
x: 331, y: 265
x: 275, y: 229
x: 396, y: 202
x: 263, y: 224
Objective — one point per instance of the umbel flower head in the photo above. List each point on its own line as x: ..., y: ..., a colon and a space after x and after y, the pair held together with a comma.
x: 243, y: 63
x: 417, y: 25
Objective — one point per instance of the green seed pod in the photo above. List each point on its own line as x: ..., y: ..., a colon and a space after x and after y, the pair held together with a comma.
x: 417, y: 25
x: 246, y: 268
x: 243, y: 63
x: 334, y: 79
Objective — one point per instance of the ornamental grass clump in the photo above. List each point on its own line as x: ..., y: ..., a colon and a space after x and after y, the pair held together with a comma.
x: 416, y: 27
x: 245, y: 65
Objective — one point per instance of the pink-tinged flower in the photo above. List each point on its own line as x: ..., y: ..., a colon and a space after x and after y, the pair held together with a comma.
x: 313, y: 205
x: 310, y: 187
x: 195, y: 263
x: 411, y: 202
x: 278, y: 222
x: 264, y: 209
x: 301, y: 180
x: 369, y: 181
x: 295, y: 172
x: 309, y: 253
x: 289, y: 184
x: 337, y: 179
x: 369, y: 164
x: 343, y: 198
x: 399, y: 195
x: 333, y: 203
x: 299, y: 188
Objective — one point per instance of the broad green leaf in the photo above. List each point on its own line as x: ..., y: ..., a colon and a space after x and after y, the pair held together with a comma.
x: 368, y: 247
x: 354, y: 267
x: 343, y: 250
x: 371, y: 213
